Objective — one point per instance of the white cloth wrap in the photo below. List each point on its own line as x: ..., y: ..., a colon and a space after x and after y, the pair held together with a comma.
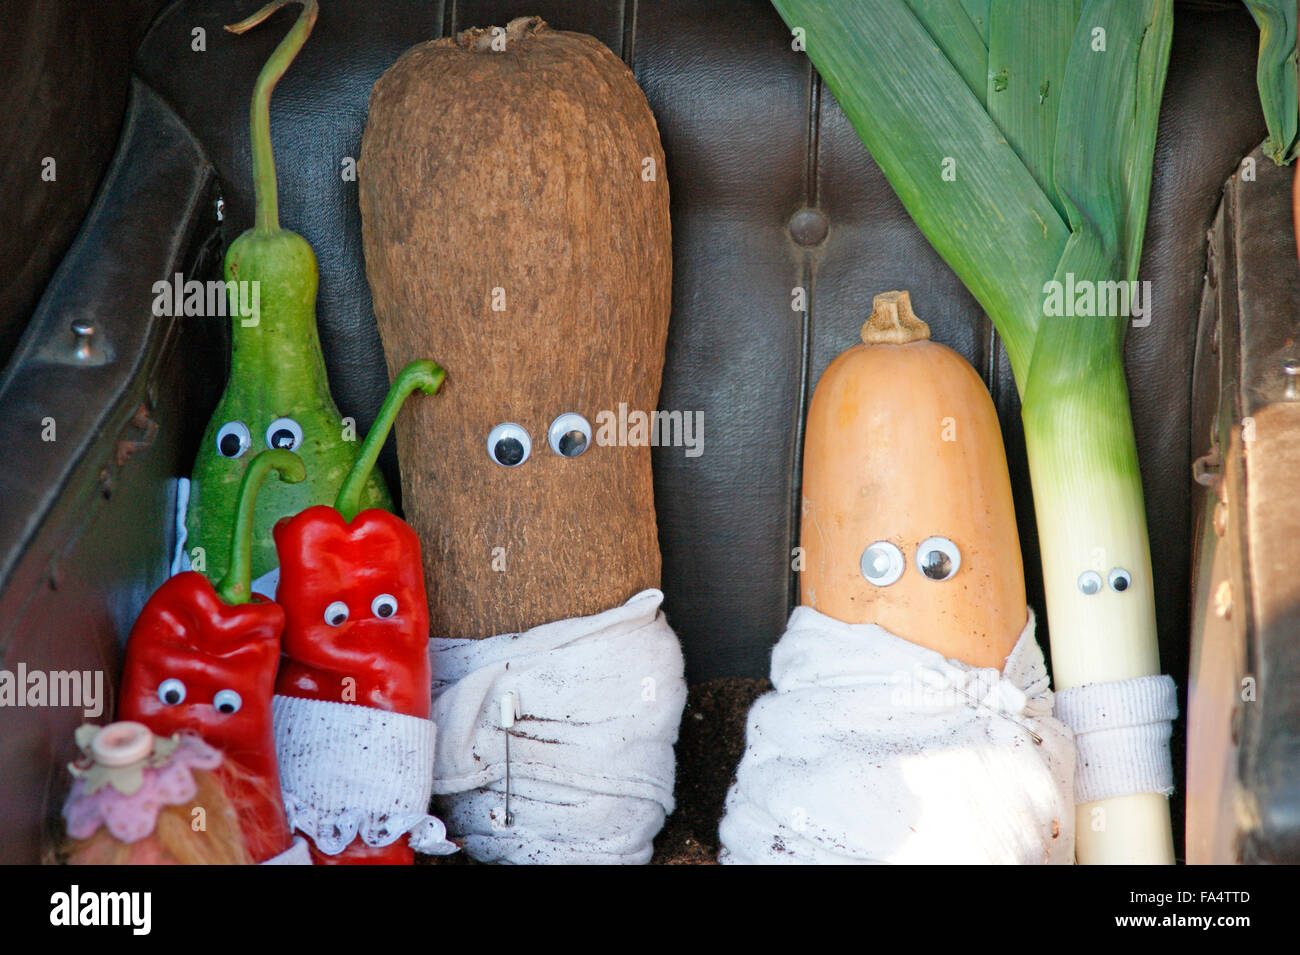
x: 1121, y: 733
x: 591, y: 755
x: 866, y: 752
x: 349, y: 770
x: 296, y: 854
x: 181, y: 559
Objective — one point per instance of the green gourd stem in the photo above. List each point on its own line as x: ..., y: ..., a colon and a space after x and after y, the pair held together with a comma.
x: 268, y: 213
x: 236, y: 586
x: 425, y: 375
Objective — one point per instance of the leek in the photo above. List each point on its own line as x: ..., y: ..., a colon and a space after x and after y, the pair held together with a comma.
x: 1049, y: 163
x: 1276, y: 75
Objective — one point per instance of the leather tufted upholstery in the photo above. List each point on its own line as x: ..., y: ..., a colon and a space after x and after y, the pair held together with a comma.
x: 752, y: 141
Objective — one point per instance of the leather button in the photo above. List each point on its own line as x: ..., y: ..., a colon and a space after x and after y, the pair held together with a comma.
x: 809, y: 227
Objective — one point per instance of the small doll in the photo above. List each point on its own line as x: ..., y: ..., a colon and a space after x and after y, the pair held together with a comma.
x: 141, y: 799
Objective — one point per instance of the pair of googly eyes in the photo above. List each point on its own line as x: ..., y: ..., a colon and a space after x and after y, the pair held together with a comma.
x: 1119, y: 579
x: 937, y: 558
x: 234, y: 438
x: 172, y: 693
x: 383, y: 607
x: 508, y: 444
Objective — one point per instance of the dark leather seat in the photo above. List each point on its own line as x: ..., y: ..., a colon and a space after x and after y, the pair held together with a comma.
x: 771, y: 190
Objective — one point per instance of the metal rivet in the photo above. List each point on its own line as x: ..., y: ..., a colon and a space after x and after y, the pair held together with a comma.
x: 809, y: 227
x: 1291, y: 368
x: 1223, y: 600
x: 1220, y: 518
x: 1206, y: 468
x: 84, y: 333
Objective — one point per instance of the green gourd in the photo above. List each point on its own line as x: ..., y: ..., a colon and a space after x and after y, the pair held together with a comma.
x: 278, y: 393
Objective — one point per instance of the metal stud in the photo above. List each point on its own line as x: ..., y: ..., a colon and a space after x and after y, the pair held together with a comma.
x: 1291, y: 368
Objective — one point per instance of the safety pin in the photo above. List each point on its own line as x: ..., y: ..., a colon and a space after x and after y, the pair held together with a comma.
x: 1038, y: 740
x: 940, y: 681
x: 509, y: 713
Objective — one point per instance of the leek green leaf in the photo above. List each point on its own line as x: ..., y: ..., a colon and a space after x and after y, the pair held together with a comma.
x: 950, y: 26
x: 1276, y: 75
x: 1028, y: 46
x: 978, y: 11
x: 951, y: 166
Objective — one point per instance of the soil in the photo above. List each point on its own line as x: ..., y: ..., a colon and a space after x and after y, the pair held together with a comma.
x: 709, y: 748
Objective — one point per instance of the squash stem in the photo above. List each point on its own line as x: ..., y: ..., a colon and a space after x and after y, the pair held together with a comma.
x: 236, y: 586
x: 423, y: 375
x: 893, y: 322
x: 268, y: 213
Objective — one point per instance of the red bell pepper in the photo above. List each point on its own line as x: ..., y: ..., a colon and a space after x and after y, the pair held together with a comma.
x: 356, y: 612
x: 204, y: 659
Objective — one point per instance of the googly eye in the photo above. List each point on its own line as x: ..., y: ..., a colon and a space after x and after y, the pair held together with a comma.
x: 882, y: 563
x: 171, y: 691
x: 1120, y: 580
x: 569, y: 434
x: 1090, y: 582
x: 385, y: 605
x: 233, y: 439
x: 227, y: 701
x: 284, y: 434
x: 336, y: 614
x: 509, y: 445
x: 938, y: 558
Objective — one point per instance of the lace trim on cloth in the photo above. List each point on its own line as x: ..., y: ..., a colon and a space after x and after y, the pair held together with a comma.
x: 348, y: 771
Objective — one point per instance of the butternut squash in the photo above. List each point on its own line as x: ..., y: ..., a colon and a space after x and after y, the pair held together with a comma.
x: 905, y: 484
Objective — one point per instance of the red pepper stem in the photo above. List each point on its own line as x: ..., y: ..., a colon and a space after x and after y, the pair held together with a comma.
x: 268, y: 211
x: 236, y: 586
x: 425, y: 375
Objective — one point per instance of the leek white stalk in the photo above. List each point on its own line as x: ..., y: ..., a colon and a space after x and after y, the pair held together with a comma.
x: 1088, y: 500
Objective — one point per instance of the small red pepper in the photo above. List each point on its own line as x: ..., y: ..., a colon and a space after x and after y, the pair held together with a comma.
x: 204, y: 659
x: 356, y: 611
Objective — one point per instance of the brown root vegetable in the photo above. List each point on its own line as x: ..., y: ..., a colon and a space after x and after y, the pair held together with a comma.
x: 515, y: 220
x: 905, y: 482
